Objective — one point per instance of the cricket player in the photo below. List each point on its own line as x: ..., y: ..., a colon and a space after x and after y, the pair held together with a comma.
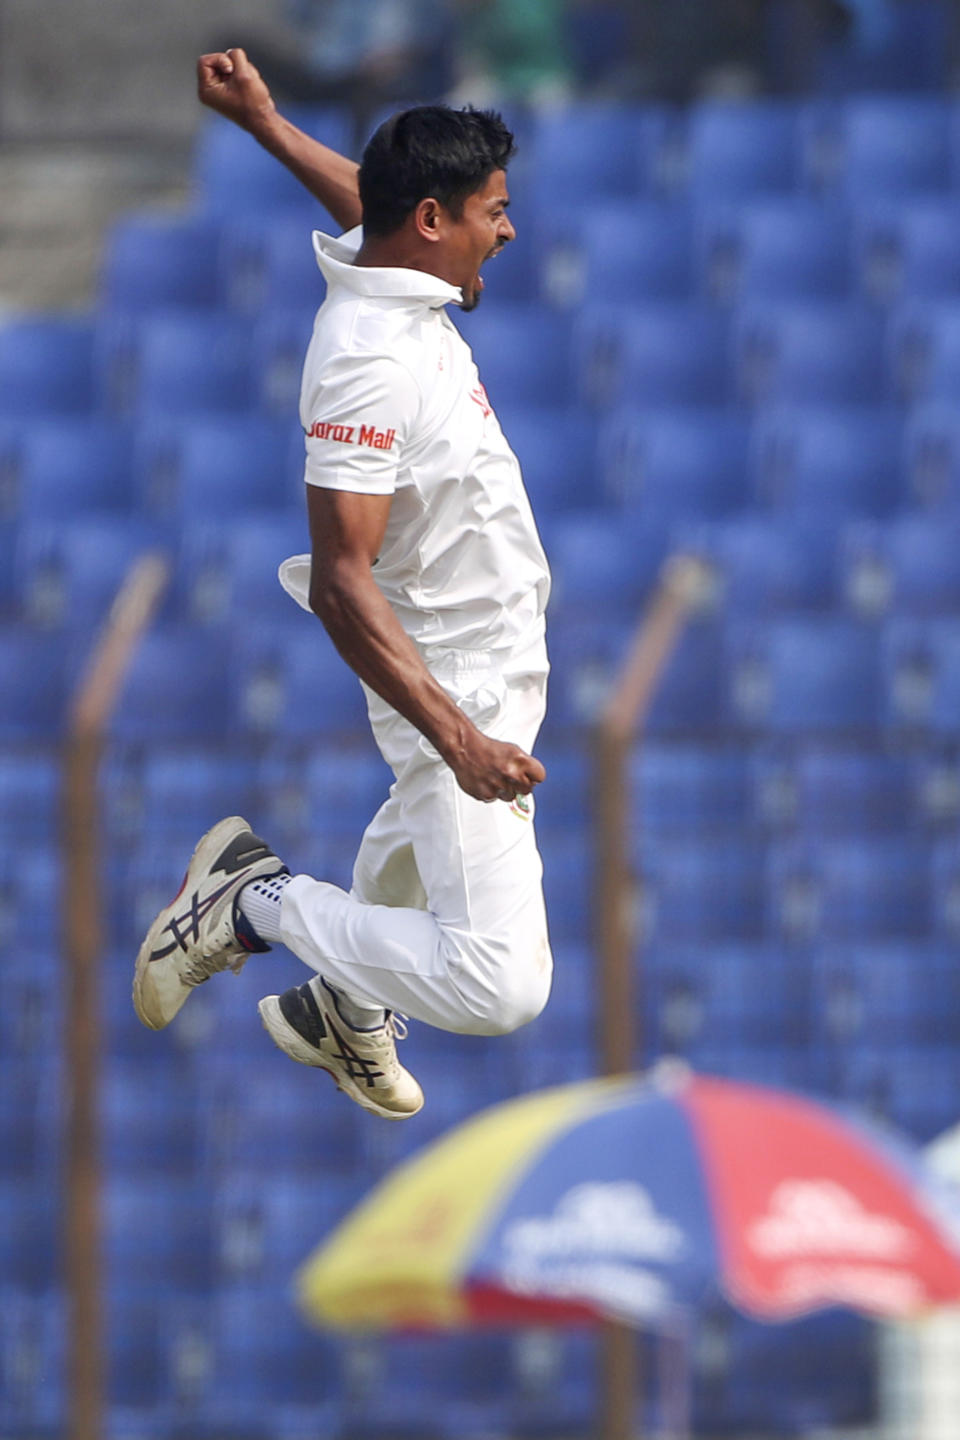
x: 428, y: 574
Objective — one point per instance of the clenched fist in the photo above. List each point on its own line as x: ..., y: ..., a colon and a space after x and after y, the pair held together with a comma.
x: 233, y: 86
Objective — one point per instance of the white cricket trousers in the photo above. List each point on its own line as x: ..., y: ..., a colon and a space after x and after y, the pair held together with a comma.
x: 445, y: 920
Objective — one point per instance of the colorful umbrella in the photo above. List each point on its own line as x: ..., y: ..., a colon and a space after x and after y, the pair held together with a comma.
x: 631, y: 1198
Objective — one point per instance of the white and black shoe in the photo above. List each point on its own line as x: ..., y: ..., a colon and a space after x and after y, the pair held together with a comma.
x: 195, y: 936
x: 307, y: 1025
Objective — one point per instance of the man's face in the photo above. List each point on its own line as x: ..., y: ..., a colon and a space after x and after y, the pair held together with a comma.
x: 479, y: 232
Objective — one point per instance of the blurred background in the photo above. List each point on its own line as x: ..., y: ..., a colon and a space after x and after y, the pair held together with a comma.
x: 730, y: 328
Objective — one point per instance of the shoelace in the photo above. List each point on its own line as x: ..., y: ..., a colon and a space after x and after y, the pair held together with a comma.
x: 396, y: 1025
x: 203, y: 966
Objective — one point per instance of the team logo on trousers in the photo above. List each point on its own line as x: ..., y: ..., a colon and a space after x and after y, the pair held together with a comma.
x: 522, y: 806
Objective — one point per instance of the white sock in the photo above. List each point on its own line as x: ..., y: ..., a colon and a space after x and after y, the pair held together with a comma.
x: 359, y: 1014
x: 260, y: 901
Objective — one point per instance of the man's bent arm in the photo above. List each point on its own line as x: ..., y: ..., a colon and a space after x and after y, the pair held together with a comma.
x: 347, y: 530
x: 233, y: 86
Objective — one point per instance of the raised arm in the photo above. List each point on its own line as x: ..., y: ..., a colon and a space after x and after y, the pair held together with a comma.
x: 233, y: 86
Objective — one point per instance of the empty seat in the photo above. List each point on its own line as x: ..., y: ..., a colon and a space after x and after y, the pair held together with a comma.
x: 701, y: 890
x: 162, y: 259
x: 796, y: 674
x: 184, y: 790
x: 744, y: 994
x: 187, y: 364
x: 690, y: 694
x: 922, y: 674
x: 887, y: 993
x: 266, y: 1356
x: 895, y: 145
x: 637, y: 251
x: 149, y: 1129
x: 736, y: 150
x: 763, y: 562
x: 344, y: 785
x: 232, y: 173
x: 30, y: 1220
x: 924, y: 346
x: 913, y: 1086
x: 655, y: 354
x: 270, y: 260
x: 46, y: 367
x: 35, y: 678
x: 691, y: 790
x: 278, y: 344
x: 177, y: 688
x: 676, y: 463
x: 222, y: 466
x: 856, y: 888
x: 603, y: 559
x: 828, y: 460
x: 589, y: 151
x: 33, y: 1361
x: 159, y: 1230
x: 909, y: 250
x: 910, y: 563
x: 777, y: 250
x: 817, y: 352
x: 69, y: 573
x: 290, y: 680
x: 931, y: 459
x: 556, y: 448
x: 73, y: 466
x: 29, y: 797
x: 854, y: 791
x: 522, y: 353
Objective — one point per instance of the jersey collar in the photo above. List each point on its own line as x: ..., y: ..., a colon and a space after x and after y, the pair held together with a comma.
x: 335, y: 258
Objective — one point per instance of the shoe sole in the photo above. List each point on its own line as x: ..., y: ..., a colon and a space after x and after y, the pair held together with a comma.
x: 208, y: 849
x: 293, y: 1045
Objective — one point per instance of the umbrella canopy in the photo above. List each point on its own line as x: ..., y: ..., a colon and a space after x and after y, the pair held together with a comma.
x: 632, y: 1198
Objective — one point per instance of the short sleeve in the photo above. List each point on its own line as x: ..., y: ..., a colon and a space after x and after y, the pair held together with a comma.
x: 357, y: 418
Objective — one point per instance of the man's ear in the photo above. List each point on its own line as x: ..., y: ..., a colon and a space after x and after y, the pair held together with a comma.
x: 428, y: 219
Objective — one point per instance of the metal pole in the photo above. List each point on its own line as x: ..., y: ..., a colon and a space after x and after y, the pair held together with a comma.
x: 83, y: 946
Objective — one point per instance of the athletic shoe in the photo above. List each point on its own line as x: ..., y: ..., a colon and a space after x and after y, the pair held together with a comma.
x: 195, y: 936
x: 308, y: 1027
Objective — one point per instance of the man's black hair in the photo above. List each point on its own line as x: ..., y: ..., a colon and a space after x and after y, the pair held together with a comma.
x: 430, y: 150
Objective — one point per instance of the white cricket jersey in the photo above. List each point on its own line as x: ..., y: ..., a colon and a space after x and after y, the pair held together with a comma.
x: 391, y: 404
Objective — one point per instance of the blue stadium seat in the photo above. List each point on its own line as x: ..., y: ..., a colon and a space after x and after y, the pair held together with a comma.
x: 799, y: 674
x: 791, y: 249
x: 945, y: 877
x: 31, y: 1098
x: 46, y: 368
x: 695, y: 891
x: 655, y: 354
x: 9, y: 536
x: 734, y: 150
x: 556, y: 448
x: 816, y: 352
x: 230, y: 565
x: 893, y: 145
x: 269, y: 261
x: 910, y: 563
x: 603, y: 558
x: 858, y: 792
x: 184, y: 790
x: 270, y: 1216
x: 30, y: 1233
x: 36, y: 1006
x: 69, y: 572
x: 266, y: 1357
x: 232, y: 174
x: 30, y: 888
x: 33, y: 1361
x: 828, y: 461
x: 909, y: 250
x: 36, y: 671
x: 739, y: 994
x: 912, y: 1086
x: 591, y: 151
x: 641, y: 249
x: 924, y: 344
x: 29, y: 798
x: 931, y: 459
x: 851, y: 888
x: 922, y: 674
x: 691, y: 790
x: 159, y: 1231
x: 73, y: 466
x: 676, y: 463
x: 344, y: 785
x: 763, y: 563
x: 278, y: 345
x: 886, y: 993
x: 690, y: 696
x: 177, y: 688
x: 522, y: 353
x: 567, y: 880
x: 150, y: 1127
x: 161, y: 259
x: 290, y: 680
x: 231, y: 466
x: 187, y: 364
